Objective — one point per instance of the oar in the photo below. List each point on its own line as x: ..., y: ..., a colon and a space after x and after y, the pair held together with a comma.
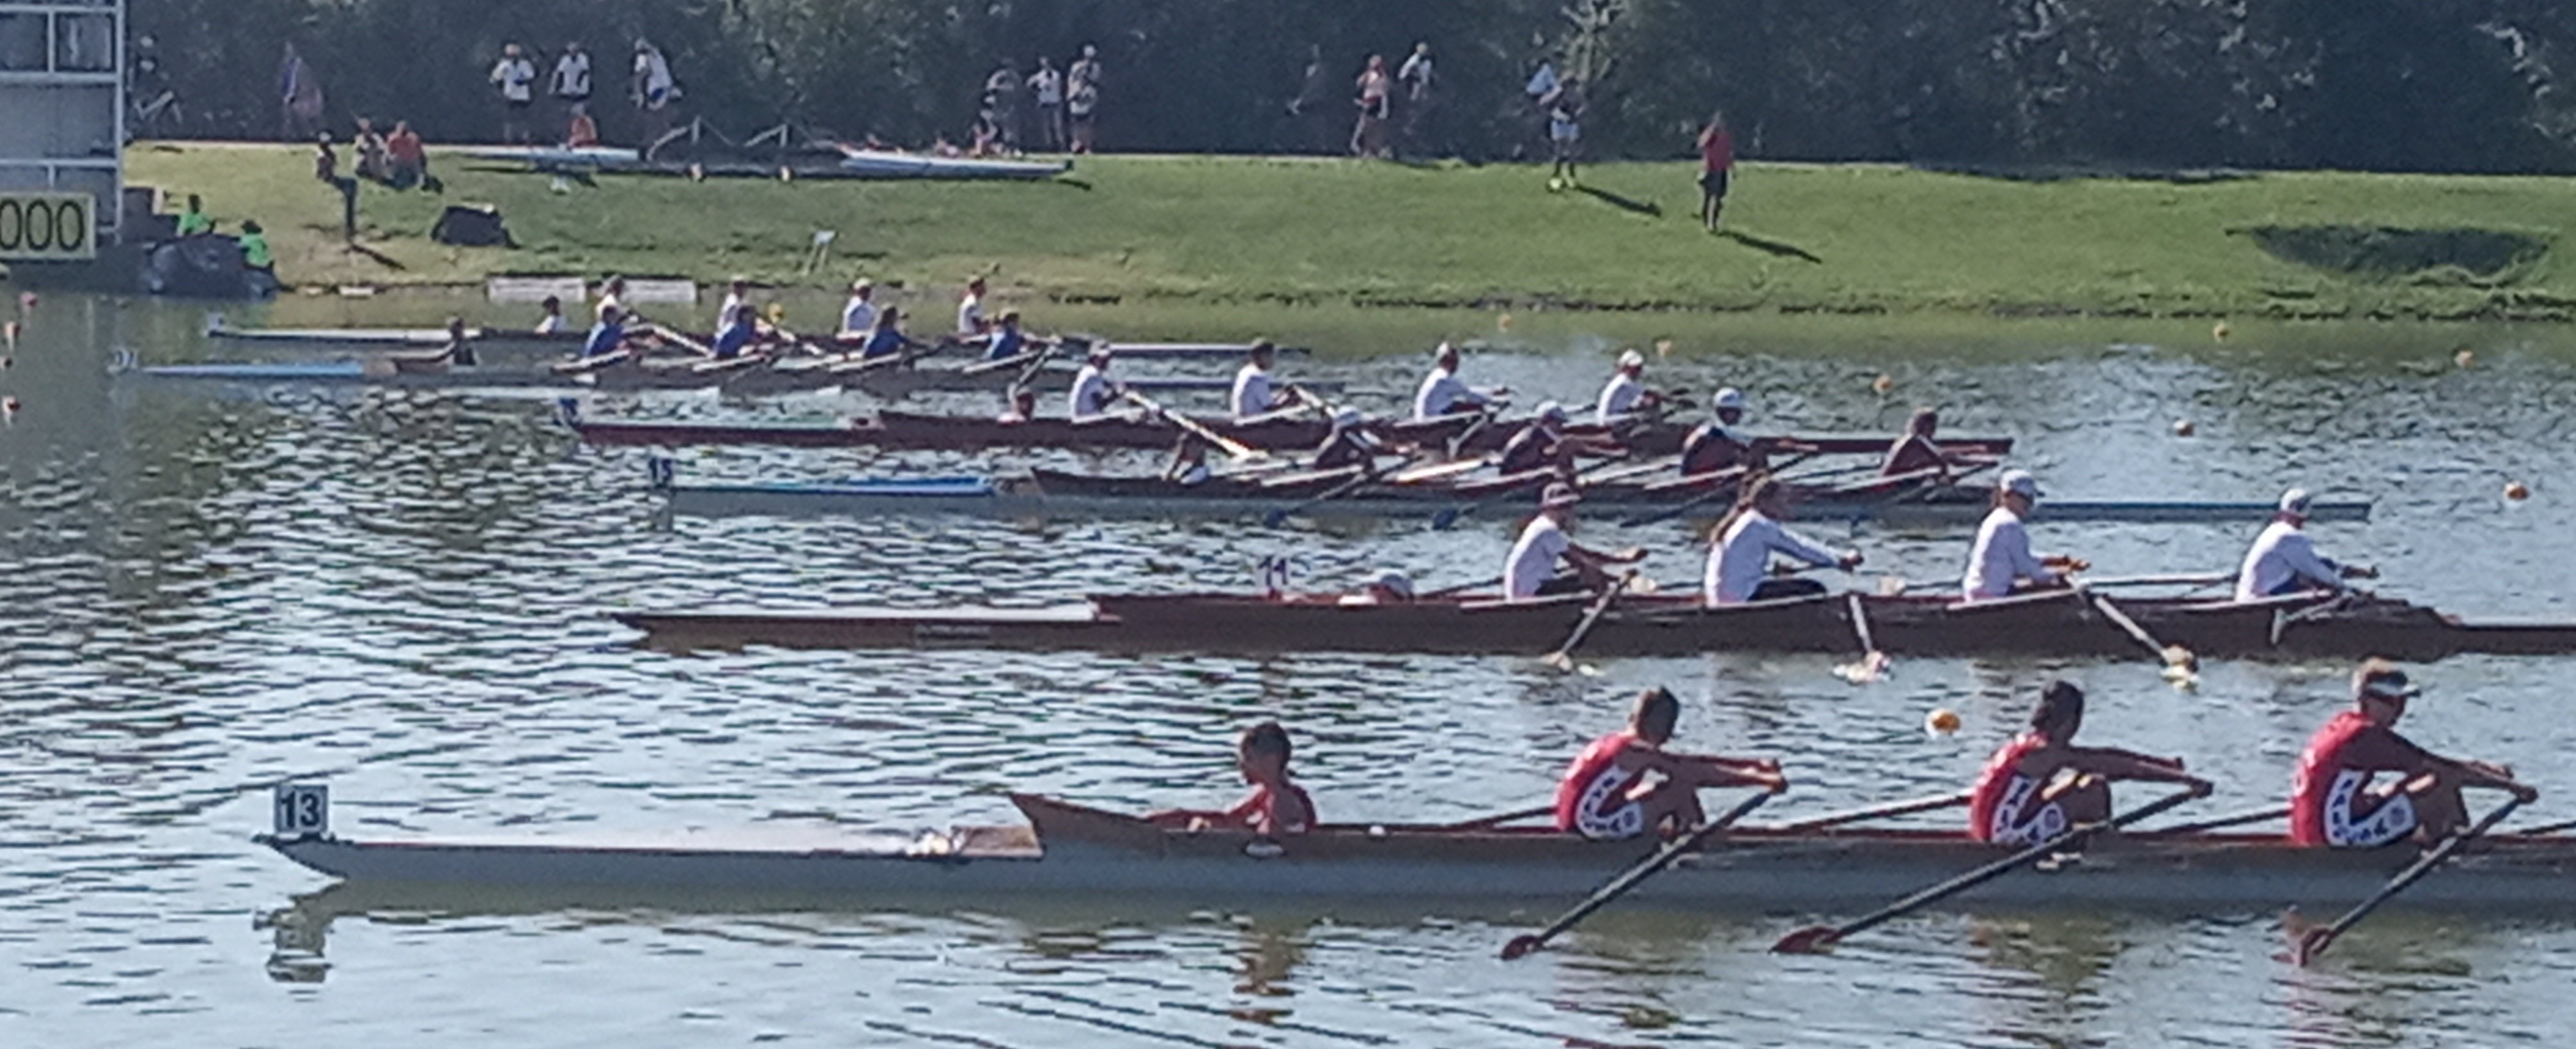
x: 1461, y: 588
x: 1496, y: 489
x: 1563, y: 657
x: 2237, y: 820
x: 1871, y: 812
x: 1523, y: 944
x: 1498, y: 819
x: 1817, y: 937
x: 2561, y: 827
x: 1275, y: 518
x: 1231, y: 447
x: 1873, y: 662
x: 2307, y: 943
x: 2179, y: 662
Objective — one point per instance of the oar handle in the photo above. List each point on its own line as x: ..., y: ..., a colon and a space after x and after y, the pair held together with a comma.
x: 1483, y: 822
x: 1900, y: 808
x: 2316, y: 941
x: 1619, y: 886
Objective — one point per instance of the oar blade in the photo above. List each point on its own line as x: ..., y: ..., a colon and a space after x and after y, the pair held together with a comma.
x: 1520, y: 946
x: 2307, y: 939
x: 1811, y: 940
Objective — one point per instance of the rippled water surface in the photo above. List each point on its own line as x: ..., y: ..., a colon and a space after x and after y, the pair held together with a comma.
x: 203, y: 592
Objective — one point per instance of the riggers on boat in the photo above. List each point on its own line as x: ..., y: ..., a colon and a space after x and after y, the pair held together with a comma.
x: 2056, y: 624
x: 1069, y: 850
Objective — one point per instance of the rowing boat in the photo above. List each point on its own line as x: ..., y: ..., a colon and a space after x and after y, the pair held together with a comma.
x: 498, y: 340
x: 886, y: 164
x: 1045, y: 494
x: 1273, y: 433
x: 1072, y: 850
x: 2057, y: 624
x: 661, y: 374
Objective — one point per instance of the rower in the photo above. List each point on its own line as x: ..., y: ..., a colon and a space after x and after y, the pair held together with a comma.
x: 737, y: 300
x: 1023, y: 403
x: 736, y: 325
x: 1717, y: 444
x: 1188, y: 465
x: 607, y: 336
x: 612, y: 297
x: 2001, y: 562
x: 1008, y: 340
x: 1543, y: 443
x: 2283, y: 561
x: 459, y: 351
x: 1348, y: 444
x: 1389, y: 587
x: 1606, y: 793
x: 886, y: 339
x: 1739, y: 558
x: 1276, y: 805
x: 1442, y: 394
x: 1253, y: 394
x: 2332, y: 799
x: 1915, y: 450
x: 551, y: 321
x: 1093, y: 390
x: 1529, y: 571
x: 2040, y: 784
x: 1626, y: 392
x: 970, y: 311
x: 859, y: 315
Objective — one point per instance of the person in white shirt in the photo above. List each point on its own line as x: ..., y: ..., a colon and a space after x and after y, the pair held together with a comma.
x: 970, y: 311
x: 2002, y: 560
x: 517, y: 78
x: 551, y: 322
x: 1253, y: 394
x: 859, y: 315
x: 652, y: 87
x: 1093, y: 390
x: 1530, y: 570
x: 1739, y: 560
x: 612, y: 303
x: 1626, y: 392
x: 2283, y: 560
x: 1048, y: 85
x: 1389, y: 587
x: 1442, y: 393
x: 571, y: 83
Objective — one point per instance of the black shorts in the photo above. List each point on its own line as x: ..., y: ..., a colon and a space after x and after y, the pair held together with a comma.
x: 1713, y: 183
x: 517, y: 104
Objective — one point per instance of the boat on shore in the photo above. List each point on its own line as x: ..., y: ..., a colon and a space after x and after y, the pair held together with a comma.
x: 745, y: 377
x: 2049, y: 624
x: 1069, y: 850
x: 529, y: 341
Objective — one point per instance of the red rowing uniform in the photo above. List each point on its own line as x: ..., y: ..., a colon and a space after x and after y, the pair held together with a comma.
x: 1592, y: 798
x: 1259, y: 811
x: 2000, y: 806
x: 2330, y: 800
x: 1910, y: 453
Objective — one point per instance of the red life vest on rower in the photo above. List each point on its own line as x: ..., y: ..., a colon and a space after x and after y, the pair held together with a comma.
x: 2317, y: 768
x: 1596, y: 758
x: 1994, y: 780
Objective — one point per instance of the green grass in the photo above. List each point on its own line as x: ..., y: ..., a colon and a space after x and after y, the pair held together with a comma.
x: 1801, y: 238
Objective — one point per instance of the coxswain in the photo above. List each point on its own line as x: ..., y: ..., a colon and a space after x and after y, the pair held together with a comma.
x: 1543, y: 443
x: 608, y: 335
x: 1276, y: 806
x: 2001, y: 562
x: 2283, y: 561
x: 1718, y: 444
x: 2333, y: 799
x: 886, y: 339
x: 1348, y: 444
x: 1253, y: 395
x: 2040, y: 784
x: 1625, y: 783
x: 1389, y: 587
x: 1093, y: 390
x: 551, y: 320
x: 1530, y: 570
x: 459, y: 352
x: 970, y: 311
x: 1442, y: 394
x: 1739, y: 557
x: 1626, y: 392
x: 1009, y: 340
x: 1915, y: 450
x: 859, y: 315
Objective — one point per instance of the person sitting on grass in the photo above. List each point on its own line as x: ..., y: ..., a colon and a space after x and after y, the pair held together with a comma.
x: 194, y: 221
x: 406, y: 160
x: 1276, y: 806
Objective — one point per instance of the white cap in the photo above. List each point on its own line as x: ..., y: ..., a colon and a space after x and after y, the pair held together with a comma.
x: 2021, y: 483
x: 1632, y: 359
x: 1445, y: 349
x: 2295, y: 501
x: 1551, y: 412
x: 862, y: 285
x: 1729, y: 397
x: 1347, y: 417
x: 1558, y: 494
x: 1099, y: 351
x: 1394, y: 582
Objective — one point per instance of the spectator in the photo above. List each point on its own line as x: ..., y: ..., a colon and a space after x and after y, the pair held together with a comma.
x: 256, y: 256
x: 1368, y: 138
x: 194, y: 220
x: 1542, y: 83
x: 582, y: 132
x: 1318, y: 126
x: 1564, y: 130
x: 1082, y: 97
x: 370, y: 147
x: 406, y: 162
x: 1002, y: 106
x: 1716, y: 165
x: 299, y: 97
x: 1418, y: 79
x: 517, y: 79
x: 652, y: 89
x: 570, y: 85
x: 1047, y: 86
x: 326, y: 170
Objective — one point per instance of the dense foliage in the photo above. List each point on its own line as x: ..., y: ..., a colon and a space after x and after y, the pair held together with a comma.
x: 2381, y: 84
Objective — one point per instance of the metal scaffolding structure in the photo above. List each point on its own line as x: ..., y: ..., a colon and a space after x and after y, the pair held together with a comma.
x: 62, y: 100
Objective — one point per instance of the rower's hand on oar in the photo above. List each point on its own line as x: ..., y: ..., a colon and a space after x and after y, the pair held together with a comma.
x: 2360, y: 572
x: 1849, y: 561
x: 2067, y: 563
x: 1627, y: 555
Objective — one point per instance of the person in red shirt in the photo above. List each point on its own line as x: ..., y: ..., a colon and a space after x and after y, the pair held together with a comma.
x: 2333, y: 801
x: 1276, y: 806
x: 1607, y: 793
x: 1716, y: 165
x: 2040, y: 784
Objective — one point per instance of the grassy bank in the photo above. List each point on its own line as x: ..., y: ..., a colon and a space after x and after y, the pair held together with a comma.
x: 1800, y: 239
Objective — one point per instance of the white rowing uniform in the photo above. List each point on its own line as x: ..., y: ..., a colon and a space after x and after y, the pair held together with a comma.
x: 1251, y: 391
x: 2002, y: 557
x: 2018, y: 821
x: 1741, y: 559
x: 1534, y: 556
x: 859, y: 317
x: 1442, y: 393
x: 1091, y: 394
x: 2283, y: 560
x: 1618, y: 398
x: 970, y: 315
x: 550, y: 324
x: 733, y: 305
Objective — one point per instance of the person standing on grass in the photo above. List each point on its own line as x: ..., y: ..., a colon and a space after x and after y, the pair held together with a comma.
x: 326, y: 170
x: 1716, y: 165
x: 1417, y: 78
x: 1002, y: 102
x: 570, y: 84
x: 1082, y: 97
x: 1046, y: 86
x: 652, y: 89
x: 1564, y: 130
x: 1368, y: 138
x: 516, y: 77
x: 299, y: 97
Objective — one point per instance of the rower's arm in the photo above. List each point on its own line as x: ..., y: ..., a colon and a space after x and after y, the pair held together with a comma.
x: 2114, y: 763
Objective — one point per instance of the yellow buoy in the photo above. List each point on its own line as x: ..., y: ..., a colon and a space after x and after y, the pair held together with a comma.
x: 2465, y: 357
x: 1942, y: 721
x: 1503, y: 323
x: 2517, y: 491
x: 2218, y: 331
x: 1663, y: 348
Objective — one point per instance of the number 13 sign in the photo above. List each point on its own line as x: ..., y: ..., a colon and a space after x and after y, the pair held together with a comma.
x: 301, y: 810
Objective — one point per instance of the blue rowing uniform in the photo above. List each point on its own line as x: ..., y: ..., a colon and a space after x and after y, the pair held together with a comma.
x: 1007, y: 343
x: 731, y: 340
x: 884, y: 342
x: 604, y: 339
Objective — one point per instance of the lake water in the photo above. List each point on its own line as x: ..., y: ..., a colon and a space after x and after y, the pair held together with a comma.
x: 204, y: 592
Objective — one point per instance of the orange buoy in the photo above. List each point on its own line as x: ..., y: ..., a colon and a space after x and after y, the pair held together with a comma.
x: 1663, y: 348
x: 2465, y: 357
x: 1884, y: 384
x: 2517, y: 491
x: 2184, y: 428
x: 1503, y: 323
x: 1942, y: 721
